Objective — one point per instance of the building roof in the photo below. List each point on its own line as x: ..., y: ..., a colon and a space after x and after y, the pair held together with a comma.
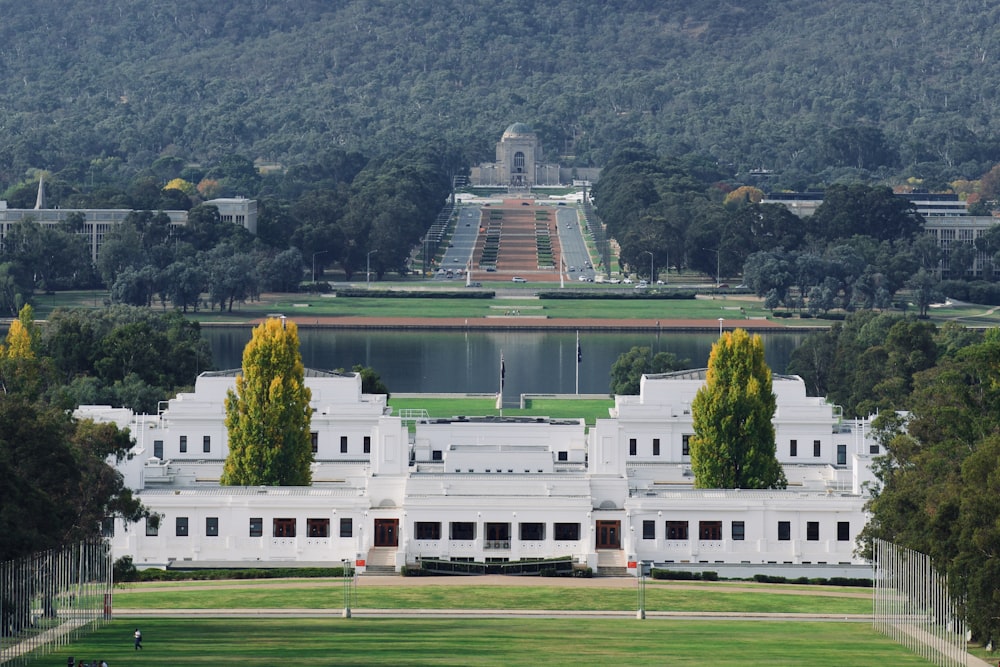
x: 518, y: 130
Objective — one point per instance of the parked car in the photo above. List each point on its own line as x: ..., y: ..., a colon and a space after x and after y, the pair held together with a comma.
x: 518, y: 279
x: 475, y: 283
x: 627, y: 281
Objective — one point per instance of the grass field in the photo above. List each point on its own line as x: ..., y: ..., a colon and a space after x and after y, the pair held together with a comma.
x: 588, y: 409
x: 660, y: 596
x: 473, y: 642
x: 706, y: 307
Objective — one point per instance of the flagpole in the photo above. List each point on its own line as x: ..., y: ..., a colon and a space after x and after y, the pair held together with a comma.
x: 579, y: 358
x: 503, y: 372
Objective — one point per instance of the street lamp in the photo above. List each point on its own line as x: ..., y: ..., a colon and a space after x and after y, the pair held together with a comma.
x: 651, y: 276
x: 721, y: 320
x: 368, y: 268
x: 320, y: 252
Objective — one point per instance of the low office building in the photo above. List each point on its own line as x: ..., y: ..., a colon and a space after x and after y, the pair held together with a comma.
x: 493, y: 489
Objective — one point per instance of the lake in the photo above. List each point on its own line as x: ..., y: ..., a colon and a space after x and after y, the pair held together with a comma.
x: 469, y: 362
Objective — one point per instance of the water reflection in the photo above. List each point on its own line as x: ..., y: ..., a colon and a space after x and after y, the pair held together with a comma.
x: 469, y: 362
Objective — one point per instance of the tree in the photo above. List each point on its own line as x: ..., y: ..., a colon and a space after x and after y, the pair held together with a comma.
x: 733, y: 446
x: 630, y: 366
x: 268, y: 415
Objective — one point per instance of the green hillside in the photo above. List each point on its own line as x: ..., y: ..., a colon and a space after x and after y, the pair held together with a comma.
x: 801, y: 88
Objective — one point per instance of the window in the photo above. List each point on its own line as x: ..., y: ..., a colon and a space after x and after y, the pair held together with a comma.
x: 739, y: 531
x: 284, y: 528
x: 793, y: 448
x: 463, y: 530
x: 518, y: 161
x: 685, y: 445
x: 428, y: 530
x: 498, y: 531
x: 212, y: 526
x: 158, y: 449
x: 873, y: 449
x: 677, y: 530
x: 318, y: 527
x: 108, y: 526
x: 562, y: 456
x: 181, y: 526
x: 843, y: 531
x: 648, y: 529
x: 152, y: 526
x: 656, y: 446
x: 314, y: 441
x: 206, y: 444
x: 346, y: 527
x: 817, y: 448
x: 367, y: 444
x: 436, y: 455
x: 532, y: 532
x: 631, y: 447
x: 812, y: 531
x: 343, y: 444
x: 184, y: 444
x: 842, y: 455
x: 709, y: 530
x: 566, y: 532
x: 784, y: 531
x: 256, y: 527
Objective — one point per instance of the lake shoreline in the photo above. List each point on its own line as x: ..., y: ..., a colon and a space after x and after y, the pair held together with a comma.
x: 518, y: 322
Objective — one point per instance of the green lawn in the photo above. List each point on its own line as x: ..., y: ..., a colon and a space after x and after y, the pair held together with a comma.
x: 588, y: 409
x: 660, y: 596
x: 470, y: 641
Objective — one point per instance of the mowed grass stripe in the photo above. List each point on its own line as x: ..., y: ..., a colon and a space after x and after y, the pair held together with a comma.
x: 658, y: 598
x: 474, y: 642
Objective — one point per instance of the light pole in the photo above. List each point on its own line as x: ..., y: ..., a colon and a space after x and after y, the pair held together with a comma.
x: 721, y: 320
x: 320, y: 252
x: 368, y: 269
x: 651, y: 277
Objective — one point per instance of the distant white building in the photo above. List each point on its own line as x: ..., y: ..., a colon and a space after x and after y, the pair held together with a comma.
x: 494, y: 489
x: 98, y: 221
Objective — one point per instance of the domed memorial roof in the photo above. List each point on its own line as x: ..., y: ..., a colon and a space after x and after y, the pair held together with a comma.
x: 518, y: 130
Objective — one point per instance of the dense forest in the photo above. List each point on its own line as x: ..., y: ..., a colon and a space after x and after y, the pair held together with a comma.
x: 795, y: 93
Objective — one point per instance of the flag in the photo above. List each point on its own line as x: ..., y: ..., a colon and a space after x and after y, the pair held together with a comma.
x: 503, y: 374
x: 579, y: 350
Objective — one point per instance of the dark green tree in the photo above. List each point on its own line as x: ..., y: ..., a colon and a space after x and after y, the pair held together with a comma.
x: 629, y: 367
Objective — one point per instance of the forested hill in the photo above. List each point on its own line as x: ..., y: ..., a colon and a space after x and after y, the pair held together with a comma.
x: 794, y: 86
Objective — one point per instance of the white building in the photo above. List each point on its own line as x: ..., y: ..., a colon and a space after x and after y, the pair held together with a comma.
x: 494, y: 489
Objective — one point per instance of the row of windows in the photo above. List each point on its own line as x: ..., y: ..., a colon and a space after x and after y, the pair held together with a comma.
x: 633, y: 446
x: 712, y: 530
x: 366, y: 443
x: 466, y: 530
x: 279, y: 527
x: 206, y: 444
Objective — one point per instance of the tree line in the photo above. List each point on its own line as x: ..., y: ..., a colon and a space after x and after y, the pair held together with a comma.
x: 341, y: 210
x: 861, y: 247
x: 934, y: 389
x: 283, y: 80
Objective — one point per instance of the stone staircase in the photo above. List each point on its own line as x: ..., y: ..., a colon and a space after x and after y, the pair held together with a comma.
x: 611, y: 563
x: 381, y: 562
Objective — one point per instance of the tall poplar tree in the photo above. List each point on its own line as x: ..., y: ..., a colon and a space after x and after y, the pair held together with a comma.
x: 733, y: 446
x: 268, y: 415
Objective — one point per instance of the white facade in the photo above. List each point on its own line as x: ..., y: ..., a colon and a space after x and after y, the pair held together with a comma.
x: 491, y: 488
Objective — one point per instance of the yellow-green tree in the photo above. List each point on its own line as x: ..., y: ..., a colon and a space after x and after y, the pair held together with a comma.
x: 22, y: 337
x: 268, y: 415
x: 733, y: 445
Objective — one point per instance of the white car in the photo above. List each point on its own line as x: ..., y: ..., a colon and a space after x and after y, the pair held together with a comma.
x: 518, y: 279
x: 627, y: 281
